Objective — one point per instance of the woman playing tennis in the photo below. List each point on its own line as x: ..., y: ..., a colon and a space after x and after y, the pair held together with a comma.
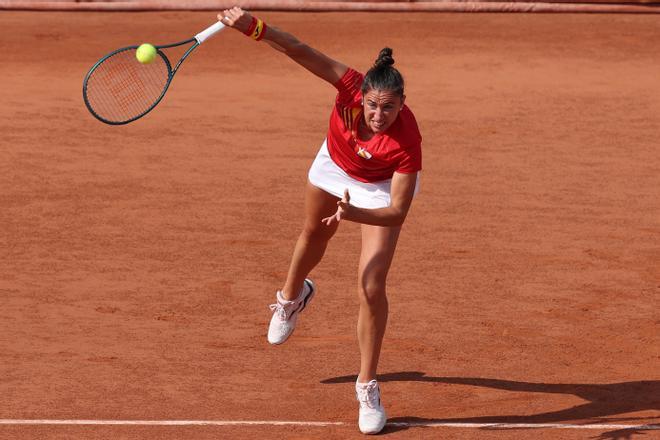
x: 365, y: 172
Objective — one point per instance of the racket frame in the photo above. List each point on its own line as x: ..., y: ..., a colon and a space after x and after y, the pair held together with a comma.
x: 197, y: 39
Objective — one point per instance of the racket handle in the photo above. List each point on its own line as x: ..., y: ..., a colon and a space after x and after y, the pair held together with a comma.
x: 209, y: 32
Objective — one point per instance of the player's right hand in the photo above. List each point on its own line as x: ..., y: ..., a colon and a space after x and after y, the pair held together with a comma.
x: 236, y: 18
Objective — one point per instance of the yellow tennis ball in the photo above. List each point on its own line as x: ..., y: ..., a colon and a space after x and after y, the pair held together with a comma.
x: 146, y: 53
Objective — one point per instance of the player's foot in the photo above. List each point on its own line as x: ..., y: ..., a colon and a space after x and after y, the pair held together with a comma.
x: 372, y: 414
x: 285, y: 313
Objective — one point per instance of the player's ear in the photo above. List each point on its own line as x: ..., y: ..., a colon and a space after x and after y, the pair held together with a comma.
x: 403, y: 100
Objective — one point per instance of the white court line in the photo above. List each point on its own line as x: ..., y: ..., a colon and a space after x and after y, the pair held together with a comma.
x: 167, y: 422
x: 598, y: 426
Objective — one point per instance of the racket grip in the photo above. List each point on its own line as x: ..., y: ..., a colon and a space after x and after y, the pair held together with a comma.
x: 209, y: 32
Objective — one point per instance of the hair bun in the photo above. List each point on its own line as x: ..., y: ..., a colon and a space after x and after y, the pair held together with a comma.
x: 384, y: 58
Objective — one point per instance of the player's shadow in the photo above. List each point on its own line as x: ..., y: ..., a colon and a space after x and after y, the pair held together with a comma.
x: 603, y: 401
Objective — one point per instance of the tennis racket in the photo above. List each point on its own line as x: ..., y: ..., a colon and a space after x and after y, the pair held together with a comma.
x: 119, y: 89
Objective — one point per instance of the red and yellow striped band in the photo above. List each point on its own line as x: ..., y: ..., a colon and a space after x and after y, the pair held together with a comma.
x: 259, y: 30
x: 251, y: 28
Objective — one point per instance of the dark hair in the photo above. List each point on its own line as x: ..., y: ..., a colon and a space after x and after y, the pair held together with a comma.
x: 382, y: 76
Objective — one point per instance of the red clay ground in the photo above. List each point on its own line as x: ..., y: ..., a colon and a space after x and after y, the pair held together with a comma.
x: 138, y: 261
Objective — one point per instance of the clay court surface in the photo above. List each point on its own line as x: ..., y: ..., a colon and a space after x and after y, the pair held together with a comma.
x: 138, y: 262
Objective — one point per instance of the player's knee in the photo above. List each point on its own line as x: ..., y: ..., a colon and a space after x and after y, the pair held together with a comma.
x: 317, y: 231
x: 372, y: 293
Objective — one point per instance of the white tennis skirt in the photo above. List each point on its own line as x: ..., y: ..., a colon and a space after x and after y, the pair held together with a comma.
x: 326, y: 175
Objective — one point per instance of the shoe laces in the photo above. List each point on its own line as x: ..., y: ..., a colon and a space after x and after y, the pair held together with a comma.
x: 279, y: 310
x: 283, y: 307
x: 282, y: 310
x: 368, y: 395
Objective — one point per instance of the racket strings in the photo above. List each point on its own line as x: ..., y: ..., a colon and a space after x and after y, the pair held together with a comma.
x: 121, y: 88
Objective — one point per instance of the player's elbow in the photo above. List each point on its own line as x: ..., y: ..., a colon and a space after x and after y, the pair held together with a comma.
x: 398, y: 217
x: 296, y: 49
x: 399, y: 220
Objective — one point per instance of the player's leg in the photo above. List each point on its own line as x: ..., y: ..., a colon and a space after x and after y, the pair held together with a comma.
x: 309, y: 250
x: 378, y: 246
x: 313, y: 239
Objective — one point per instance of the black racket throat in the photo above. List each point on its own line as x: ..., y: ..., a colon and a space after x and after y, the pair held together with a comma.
x: 186, y: 53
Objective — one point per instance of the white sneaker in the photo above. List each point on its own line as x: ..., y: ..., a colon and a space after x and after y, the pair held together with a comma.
x: 372, y: 414
x: 285, y: 313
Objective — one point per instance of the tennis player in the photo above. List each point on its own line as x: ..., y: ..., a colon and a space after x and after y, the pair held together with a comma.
x: 366, y: 171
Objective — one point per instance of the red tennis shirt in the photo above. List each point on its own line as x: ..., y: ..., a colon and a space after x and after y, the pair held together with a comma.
x: 398, y: 149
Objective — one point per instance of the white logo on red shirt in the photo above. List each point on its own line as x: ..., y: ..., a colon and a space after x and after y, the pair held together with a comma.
x: 364, y: 153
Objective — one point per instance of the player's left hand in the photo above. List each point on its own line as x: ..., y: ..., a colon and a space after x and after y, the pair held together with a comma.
x: 343, y: 206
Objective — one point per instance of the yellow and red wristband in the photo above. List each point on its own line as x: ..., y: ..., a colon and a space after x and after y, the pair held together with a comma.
x: 257, y: 29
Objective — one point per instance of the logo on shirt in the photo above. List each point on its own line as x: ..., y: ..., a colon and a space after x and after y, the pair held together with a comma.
x: 363, y: 153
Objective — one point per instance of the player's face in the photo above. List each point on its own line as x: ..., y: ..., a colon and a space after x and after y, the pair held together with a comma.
x: 381, y: 107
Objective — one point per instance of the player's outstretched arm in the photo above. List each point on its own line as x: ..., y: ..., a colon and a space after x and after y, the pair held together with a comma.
x: 311, y: 59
